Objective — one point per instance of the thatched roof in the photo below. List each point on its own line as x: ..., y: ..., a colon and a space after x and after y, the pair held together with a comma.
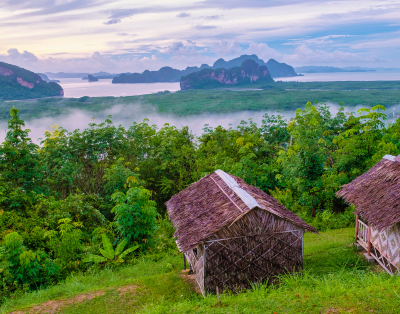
x: 215, y: 201
x: 375, y: 193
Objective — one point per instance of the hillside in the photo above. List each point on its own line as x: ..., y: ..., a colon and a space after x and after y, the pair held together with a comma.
x: 18, y: 83
x: 248, y: 73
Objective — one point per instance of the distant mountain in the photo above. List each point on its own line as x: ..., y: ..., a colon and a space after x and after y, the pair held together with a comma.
x: 46, y: 79
x: 275, y: 68
x: 329, y: 69
x: 102, y: 76
x: 165, y: 74
x: 168, y: 74
x: 248, y: 73
x: 60, y: 75
x: 18, y: 83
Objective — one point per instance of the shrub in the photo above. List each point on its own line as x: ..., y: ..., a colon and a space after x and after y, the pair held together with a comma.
x: 108, y: 253
x: 327, y: 220
x: 20, y: 266
x: 135, y: 215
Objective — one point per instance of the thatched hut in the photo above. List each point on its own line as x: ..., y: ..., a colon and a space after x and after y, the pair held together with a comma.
x: 375, y: 195
x: 234, y: 234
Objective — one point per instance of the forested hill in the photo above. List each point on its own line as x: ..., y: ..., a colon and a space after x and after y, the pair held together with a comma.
x: 168, y: 74
x: 248, y: 73
x: 275, y: 68
x: 18, y: 83
x: 165, y: 74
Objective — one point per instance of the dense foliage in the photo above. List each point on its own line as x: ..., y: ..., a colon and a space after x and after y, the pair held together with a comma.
x: 82, y: 193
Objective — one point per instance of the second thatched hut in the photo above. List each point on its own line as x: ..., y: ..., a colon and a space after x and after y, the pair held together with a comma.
x: 234, y: 234
x: 375, y: 195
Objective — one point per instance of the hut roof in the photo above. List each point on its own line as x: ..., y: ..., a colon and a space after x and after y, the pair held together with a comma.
x: 215, y: 201
x: 375, y: 193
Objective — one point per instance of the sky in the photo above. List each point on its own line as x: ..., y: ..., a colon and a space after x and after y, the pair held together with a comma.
x: 132, y: 36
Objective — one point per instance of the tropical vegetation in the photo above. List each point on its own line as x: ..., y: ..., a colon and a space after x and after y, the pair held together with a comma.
x: 86, y: 200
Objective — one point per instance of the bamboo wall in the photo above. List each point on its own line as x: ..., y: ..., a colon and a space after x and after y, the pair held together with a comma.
x: 256, y: 248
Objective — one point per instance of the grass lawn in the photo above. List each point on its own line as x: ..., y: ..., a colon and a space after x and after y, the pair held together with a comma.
x: 336, y: 279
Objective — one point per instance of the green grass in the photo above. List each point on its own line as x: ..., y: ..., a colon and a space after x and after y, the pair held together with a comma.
x: 283, y: 96
x: 336, y: 279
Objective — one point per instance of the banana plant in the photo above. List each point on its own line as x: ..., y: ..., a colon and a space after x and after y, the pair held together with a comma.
x: 109, y: 254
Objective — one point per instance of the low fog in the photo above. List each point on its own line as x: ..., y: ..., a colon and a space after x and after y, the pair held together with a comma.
x: 125, y: 115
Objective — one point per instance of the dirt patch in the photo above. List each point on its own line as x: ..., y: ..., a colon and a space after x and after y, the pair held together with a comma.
x: 127, y: 289
x: 55, y: 306
x: 190, y: 280
x: 338, y: 311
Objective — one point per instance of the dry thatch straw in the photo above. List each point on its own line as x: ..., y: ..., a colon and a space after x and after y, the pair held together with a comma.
x: 210, y: 204
x: 375, y: 194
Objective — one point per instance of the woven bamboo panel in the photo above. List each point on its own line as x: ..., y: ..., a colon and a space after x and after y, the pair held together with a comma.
x: 387, y: 242
x: 235, y: 263
x: 196, y: 261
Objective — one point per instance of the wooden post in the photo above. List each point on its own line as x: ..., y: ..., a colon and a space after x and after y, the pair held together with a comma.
x: 357, y: 228
x: 184, y: 261
x: 369, y: 240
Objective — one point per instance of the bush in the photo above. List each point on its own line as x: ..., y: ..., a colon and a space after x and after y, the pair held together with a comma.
x: 164, y: 236
x: 135, y: 215
x: 22, y: 267
x: 327, y: 220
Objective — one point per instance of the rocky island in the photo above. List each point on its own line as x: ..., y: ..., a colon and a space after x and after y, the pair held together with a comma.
x: 168, y: 74
x: 91, y: 78
x: 248, y: 73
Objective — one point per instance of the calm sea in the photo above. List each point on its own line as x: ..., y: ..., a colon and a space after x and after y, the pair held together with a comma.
x: 78, y: 88
x: 343, y: 76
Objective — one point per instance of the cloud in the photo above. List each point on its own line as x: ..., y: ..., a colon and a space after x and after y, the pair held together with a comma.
x: 204, y: 27
x: 323, y: 40
x: 112, y: 21
x: 179, y: 49
x: 388, y: 43
x: 233, y: 48
x: 122, y: 13
x: 224, y: 47
x: 122, y: 34
x: 263, y: 51
x: 28, y: 8
x: 236, y: 4
x: 15, y: 56
x: 183, y: 14
x: 305, y: 55
x: 212, y: 17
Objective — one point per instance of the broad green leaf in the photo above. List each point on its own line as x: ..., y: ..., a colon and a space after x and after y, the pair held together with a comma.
x: 127, y: 251
x: 120, y: 247
x: 108, y: 248
x: 94, y: 259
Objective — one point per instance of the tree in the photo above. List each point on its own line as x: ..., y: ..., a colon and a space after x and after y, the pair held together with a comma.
x: 19, y: 158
